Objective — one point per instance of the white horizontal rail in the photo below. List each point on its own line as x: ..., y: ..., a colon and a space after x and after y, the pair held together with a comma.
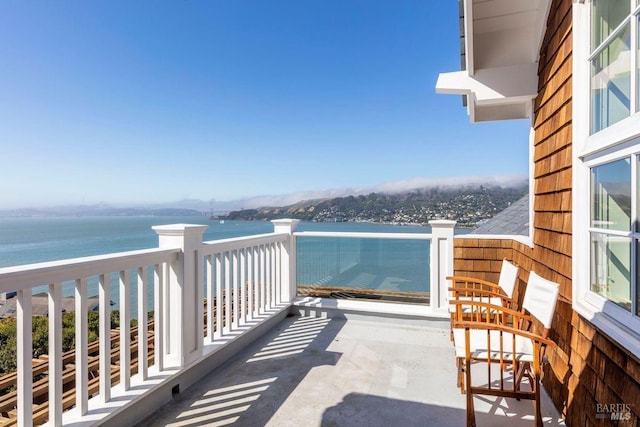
x: 357, y: 235
x: 32, y: 275
x: 223, y: 245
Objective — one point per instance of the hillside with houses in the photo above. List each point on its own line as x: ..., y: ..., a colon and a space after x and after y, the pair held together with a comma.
x: 468, y: 205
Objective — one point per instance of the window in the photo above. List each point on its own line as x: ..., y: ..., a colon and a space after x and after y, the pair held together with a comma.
x: 606, y: 167
x: 610, y: 233
x: 612, y: 71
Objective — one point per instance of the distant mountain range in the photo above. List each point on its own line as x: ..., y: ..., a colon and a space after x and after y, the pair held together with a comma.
x: 469, y: 200
x: 97, y: 210
x: 468, y: 205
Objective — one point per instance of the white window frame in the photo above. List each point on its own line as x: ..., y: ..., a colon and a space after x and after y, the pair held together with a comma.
x: 617, y: 141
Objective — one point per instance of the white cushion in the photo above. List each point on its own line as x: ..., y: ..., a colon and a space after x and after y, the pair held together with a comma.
x: 540, y: 298
x: 479, y: 345
x: 508, y: 277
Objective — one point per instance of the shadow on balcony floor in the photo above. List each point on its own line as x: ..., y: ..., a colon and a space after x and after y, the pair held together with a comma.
x: 333, y: 372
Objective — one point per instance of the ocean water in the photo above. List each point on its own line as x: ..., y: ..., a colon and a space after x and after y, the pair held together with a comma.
x: 384, y: 264
x: 29, y: 240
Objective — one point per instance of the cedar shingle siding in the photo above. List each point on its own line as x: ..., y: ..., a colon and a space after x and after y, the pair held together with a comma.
x: 586, y: 367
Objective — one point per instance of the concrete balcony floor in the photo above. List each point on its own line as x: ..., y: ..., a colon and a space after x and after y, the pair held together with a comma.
x: 365, y: 371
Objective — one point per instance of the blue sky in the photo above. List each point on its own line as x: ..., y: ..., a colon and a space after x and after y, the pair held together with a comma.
x: 149, y: 101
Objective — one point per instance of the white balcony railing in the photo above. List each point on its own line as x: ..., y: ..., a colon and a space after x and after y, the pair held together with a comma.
x: 244, y: 281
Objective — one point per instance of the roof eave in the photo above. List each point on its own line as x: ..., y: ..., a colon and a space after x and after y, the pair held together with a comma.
x: 499, y: 79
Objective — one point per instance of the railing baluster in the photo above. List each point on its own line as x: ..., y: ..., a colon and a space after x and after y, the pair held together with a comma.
x: 210, y: 289
x: 259, y: 281
x: 274, y: 287
x: 250, y: 283
x: 243, y: 286
x: 143, y: 329
x: 271, y: 282
x: 166, y: 315
x: 198, y: 301
x: 219, y: 284
x: 55, y: 354
x: 270, y: 289
x: 82, y: 359
x: 125, y: 330
x: 278, y: 269
x: 25, y: 355
x: 263, y: 280
x: 268, y: 274
x: 264, y: 287
x: 227, y: 291
x: 236, y: 288
x: 268, y: 281
x: 104, y: 307
x: 158, y: 315
x: 256, y: 280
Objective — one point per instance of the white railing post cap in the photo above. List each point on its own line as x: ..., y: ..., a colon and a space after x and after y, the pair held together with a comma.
x: 180, y: 235
x: 286, y: 225
x: 179, y: 229
x: 442, y: 223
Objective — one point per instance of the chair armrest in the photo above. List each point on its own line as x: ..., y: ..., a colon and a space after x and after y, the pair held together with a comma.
x: 474, y: 283
x: 504, y: 328
x: 484, y: 313
x: 478, y: 293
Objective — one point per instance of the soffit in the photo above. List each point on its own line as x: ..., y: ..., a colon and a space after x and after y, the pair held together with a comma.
x: 506, y: 32
x: 500, y: 43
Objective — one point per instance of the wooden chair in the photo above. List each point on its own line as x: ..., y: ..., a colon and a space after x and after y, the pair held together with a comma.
x: 499, y: 338
x: 469, y: 288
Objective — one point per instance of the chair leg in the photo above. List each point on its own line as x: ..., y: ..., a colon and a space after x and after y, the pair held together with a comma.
x: 519, y: 372
x: 524, y: 370
x: 471, y: 412
x: 536, y: 384
x: 451, y: 327
x: 459, y: 365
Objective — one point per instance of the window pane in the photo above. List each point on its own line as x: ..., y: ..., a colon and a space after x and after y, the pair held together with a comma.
x: 611, y: 268
x: 637, y: 277
x: 606, y: 15
x: 611, y: 82
x: 611, y: 196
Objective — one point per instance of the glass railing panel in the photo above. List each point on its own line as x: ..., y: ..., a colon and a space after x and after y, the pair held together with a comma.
x: 386, y: 269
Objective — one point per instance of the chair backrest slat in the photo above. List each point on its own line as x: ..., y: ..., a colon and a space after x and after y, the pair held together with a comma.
x: 508, y: 277
x: 540, y: 298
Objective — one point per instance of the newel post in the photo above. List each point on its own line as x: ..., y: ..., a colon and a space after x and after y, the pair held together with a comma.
x: 441, y: 263
x: 288, y: 275
x: 182, y: 294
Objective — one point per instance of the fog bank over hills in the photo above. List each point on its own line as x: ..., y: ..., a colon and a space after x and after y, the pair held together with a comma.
x: 391, y: 187
x: 468, y: 205
x: 196, y: 206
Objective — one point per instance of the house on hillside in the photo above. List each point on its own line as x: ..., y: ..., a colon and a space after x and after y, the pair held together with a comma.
x: 572, y: 67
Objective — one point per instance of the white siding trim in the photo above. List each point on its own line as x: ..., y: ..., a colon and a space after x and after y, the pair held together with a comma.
x: 606, y: 145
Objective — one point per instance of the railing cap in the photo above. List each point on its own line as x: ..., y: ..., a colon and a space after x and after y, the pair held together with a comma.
x: 442, y: 223
x: 178, y: 229
x: 286, y: 225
